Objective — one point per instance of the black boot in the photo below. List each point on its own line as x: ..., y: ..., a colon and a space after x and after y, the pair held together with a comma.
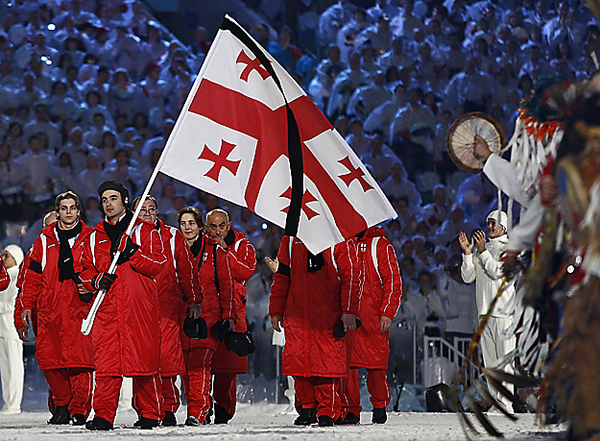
x: 379, y: 416
x: 351, y: 419
x: 325, y: 421
x: 306, y: 417
x: 169, y: 420
x: 98, y: 423
x: 78, y: 419
x: 61, y: 415
x: 148, y: 423
x: 221, y: 415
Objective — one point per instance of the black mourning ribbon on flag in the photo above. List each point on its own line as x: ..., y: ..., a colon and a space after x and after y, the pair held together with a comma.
x: 294, y: 143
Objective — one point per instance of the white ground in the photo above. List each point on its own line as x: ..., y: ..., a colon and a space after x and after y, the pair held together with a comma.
x: 268, y: 422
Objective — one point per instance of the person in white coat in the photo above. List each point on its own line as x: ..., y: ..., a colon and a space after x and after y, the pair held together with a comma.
x: 483, y: 266
x: 12, y: 372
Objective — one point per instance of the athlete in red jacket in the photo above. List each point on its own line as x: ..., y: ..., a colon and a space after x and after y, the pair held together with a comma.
x: 225, y: 364
x: 23, y: 328
x: 178, y: 275
x: 50, y: 291
x: 309, y: 296
x: 126, y: 331
x: 369, y: 345
x: 216, y: 279
x: 4, y: 277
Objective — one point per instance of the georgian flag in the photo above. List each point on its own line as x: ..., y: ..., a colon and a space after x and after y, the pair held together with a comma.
x: 250, y: 135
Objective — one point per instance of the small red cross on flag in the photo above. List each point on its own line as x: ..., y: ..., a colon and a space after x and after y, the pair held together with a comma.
x: 306, y: 199
x: 250, y: 66
x: 220, y: 160
x: 355, y: 173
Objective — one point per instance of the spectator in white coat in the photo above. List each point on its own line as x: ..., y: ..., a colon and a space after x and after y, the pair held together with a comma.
x: 485, y: 268
x: 12, y: 372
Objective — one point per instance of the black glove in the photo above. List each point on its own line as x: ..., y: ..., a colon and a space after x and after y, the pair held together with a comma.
x: 127, y: 248
x: 220, y: 329
x: 103, y: 281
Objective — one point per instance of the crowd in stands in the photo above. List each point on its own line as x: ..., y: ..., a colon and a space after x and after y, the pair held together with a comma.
x: 89, y: 91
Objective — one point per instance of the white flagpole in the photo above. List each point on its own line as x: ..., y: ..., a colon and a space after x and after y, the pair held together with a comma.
x: 86, y: 325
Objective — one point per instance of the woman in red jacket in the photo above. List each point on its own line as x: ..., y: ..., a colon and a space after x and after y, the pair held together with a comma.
x: 50, y: 293
x: 369, y: 345
x: 126, y: 332
x: 309, y: 296
x: 216, y: 279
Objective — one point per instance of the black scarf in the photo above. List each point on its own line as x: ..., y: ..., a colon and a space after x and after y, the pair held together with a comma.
x: 314, y: 263
x: 197, y: 246
x: 114, y: 232
x: 65, y: 257
x: 230, y: 238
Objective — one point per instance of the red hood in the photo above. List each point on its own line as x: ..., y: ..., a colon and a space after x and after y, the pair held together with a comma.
x: 373, y: 232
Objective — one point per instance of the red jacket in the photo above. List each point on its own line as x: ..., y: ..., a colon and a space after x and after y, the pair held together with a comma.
x: 242, y: 257
x: 4, y: 277
x: 18, y: 303
x: 311, y: 303
x: 178, y: 275
x: 218, y: 302
x: 56, y: 304
x: 126, y: 332
x: 382, y: 290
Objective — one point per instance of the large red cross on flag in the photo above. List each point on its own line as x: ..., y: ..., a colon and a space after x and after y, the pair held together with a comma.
x: 237, y: 132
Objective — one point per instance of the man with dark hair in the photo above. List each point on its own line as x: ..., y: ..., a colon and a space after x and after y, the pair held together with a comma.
x: 53, y: 291
x: 126, y: 333
x: 226, y: 365
x: 178, y: 278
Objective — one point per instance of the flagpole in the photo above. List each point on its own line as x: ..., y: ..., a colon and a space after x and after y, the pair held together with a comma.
x: 86, y: 325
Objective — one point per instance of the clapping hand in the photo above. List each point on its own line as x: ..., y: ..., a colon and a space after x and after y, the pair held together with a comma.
x: 479, y: 238
x: 465, y: 244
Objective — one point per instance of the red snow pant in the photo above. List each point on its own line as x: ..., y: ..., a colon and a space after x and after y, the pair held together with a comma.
x: 196, y: 382
x: 146, y: 397
x: 321, y: 393
x: 72, y: 386
x: 377, y: 386
x: 224, y: 389
x: 170, y: 394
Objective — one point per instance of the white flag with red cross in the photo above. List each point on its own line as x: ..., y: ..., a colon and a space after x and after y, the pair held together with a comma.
x: 250, y: 135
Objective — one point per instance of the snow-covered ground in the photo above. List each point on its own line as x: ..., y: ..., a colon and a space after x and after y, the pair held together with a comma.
x: 269, y: 422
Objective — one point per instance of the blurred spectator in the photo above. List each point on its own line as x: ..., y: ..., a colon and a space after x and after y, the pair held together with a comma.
x: 332, y: 20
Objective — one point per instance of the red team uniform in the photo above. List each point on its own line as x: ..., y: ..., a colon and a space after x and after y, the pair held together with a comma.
x: 311, y: 293
x: 178, y: 275
x: 63, y: 353
x: 216, y: 279
x: 226, y: 365
x: 126, y: 333
x: 369, y: 347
